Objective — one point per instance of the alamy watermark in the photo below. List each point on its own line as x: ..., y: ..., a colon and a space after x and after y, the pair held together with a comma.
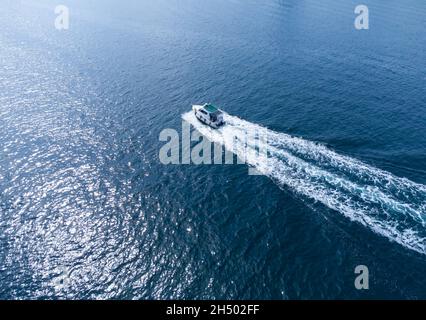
x: 362, y: 20
x: 62, y: 20
x: 362, y: 281
x: 62, y: 281
x: 233, y: 147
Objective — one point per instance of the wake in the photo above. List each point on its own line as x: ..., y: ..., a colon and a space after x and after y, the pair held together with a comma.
x: 390, y: 206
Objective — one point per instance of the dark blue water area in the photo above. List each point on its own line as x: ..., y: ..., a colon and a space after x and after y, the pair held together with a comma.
x: 88, y: 211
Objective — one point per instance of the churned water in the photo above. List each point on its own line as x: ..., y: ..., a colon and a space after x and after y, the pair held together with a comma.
x: 88, y: 210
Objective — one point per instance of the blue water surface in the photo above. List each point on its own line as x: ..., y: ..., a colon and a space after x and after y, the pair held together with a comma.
x: 88, y: 211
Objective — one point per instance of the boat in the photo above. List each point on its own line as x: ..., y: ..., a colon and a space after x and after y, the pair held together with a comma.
x: 209, y: 115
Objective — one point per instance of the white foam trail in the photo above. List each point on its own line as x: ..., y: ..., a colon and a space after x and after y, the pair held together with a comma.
x: 391, y: 206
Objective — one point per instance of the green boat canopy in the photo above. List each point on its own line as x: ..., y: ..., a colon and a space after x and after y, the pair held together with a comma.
x: 210, y: 108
